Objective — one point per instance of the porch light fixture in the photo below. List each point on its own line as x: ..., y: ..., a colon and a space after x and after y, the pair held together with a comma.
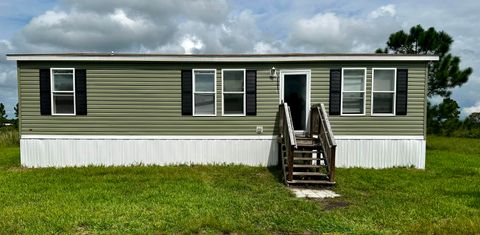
x: 273, y: 73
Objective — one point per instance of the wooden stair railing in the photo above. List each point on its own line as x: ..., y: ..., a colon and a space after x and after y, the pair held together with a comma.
x: 320, y: 126
x: 287, y: 136
x: 308, y: 159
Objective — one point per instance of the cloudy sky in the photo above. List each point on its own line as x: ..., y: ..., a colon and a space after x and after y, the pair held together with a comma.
x: 223, y: 26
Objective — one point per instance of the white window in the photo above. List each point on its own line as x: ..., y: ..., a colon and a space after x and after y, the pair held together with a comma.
x: 62, y: 83
x: 233, y: 92
x: 384, y: 86
x: 353, y: 91
x: 204, y: 95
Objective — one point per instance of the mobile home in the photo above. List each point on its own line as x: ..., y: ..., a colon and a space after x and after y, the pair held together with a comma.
x: 121, y: 109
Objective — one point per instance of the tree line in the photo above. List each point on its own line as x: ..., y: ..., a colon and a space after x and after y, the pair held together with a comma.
x: 4, y: 117
x: 443, y: 75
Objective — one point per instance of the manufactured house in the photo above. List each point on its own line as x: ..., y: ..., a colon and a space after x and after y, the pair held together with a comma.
x: 308, y: 112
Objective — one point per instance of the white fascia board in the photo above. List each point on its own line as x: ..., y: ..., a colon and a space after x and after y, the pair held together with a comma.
x: 379, y: 137
x: 183, y: 58
x: 147, y: 137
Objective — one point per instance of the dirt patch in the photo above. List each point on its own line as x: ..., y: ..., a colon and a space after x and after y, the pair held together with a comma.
x: 18, y: 169
x: 334, y: 204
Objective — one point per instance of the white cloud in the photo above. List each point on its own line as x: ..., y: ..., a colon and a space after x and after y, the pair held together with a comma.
x: 122, y: 18
x: 387, y: 10
x: 330, y: 32
x: 5, y: 45
x: 7, y: 78
x: 264, y: 47
x: 207, y: 11
x: 321, y: 27
x: 159, y: 26
x: 92, y: 31
x: 191, y: 44
x: 472, y: 109
x: 49, y: 19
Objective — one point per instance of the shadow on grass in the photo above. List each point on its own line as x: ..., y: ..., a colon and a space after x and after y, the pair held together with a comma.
x: 276, y: 171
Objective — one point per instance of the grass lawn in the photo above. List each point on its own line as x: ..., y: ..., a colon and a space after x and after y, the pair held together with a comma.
x: 444, y: 198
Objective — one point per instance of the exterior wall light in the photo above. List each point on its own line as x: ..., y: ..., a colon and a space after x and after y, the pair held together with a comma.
x: 273, y: 73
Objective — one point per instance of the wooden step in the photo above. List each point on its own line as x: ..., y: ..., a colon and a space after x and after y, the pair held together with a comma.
x: 306, y: 166
x: 305, y: 151
x: 307, y: 142
x: 307, y: 159
x: 324, y: 182
x: 307, y: 145
x: 285, y: 159
x: 309, y: 173
x: 304, y: 159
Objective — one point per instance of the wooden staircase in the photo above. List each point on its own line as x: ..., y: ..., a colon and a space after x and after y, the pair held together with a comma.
x: 310, y: 158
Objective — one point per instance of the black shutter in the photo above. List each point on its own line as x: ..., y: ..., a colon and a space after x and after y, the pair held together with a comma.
x: 45, y: 95
x: 187, y: 92
x: 251, y: 92
x: 402, y: 92
x: 335, y: 91
x: 81, y: 91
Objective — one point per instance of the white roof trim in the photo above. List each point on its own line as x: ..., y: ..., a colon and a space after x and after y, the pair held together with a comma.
x: 379, y: 137
x: 220, y: 58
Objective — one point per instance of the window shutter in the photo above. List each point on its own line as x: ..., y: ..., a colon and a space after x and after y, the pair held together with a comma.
x: 251, y: 92
x: 402, y: 92
x: 45, y: 95
x: 81, y: 91
x: 187, y: 92
x: 335, y: 91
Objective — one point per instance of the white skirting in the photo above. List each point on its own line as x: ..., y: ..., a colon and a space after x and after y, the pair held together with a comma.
x: 352, y: 151
x: 380, y: 152
x: 62, y: 151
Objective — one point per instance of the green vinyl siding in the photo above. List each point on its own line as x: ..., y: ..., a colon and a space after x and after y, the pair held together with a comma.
x: 145, y: 99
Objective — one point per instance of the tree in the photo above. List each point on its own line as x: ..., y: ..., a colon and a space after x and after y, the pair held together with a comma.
x: 444, y: 117
x: 444, y: 74
x: 16, y: 110
x: 474, y: 118
x: 3, y: 116
x: 15, y: 121
x: 472, y: 121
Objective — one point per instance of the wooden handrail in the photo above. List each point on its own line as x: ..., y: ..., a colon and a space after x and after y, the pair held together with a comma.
x: 326, y: 123
x: 320, y: 125
x: 286, y: 124
x: 287, y: 134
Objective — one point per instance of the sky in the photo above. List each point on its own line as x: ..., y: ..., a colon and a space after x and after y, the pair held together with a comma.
x: 227, y: 26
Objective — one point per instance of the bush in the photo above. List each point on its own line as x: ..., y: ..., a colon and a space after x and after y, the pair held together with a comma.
x: 453, y: 127
x: 467, y: 133
x: 9, y: 137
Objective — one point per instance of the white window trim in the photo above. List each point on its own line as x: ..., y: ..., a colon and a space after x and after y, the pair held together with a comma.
x: 204, y: 92
x: 364, y: 92
x: 235, y: 92
x: 52, y: 91
x: 394, y: 93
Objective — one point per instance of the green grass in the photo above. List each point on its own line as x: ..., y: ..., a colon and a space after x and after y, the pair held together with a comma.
x: 444, y: 198
x: 9, y: 137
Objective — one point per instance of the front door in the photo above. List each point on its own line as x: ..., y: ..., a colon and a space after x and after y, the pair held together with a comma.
x: 296, y: 93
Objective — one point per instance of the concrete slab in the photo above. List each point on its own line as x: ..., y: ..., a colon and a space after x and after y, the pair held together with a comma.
x: 314, y: 193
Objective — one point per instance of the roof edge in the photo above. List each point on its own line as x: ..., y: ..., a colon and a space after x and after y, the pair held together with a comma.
x: 291, y: 57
